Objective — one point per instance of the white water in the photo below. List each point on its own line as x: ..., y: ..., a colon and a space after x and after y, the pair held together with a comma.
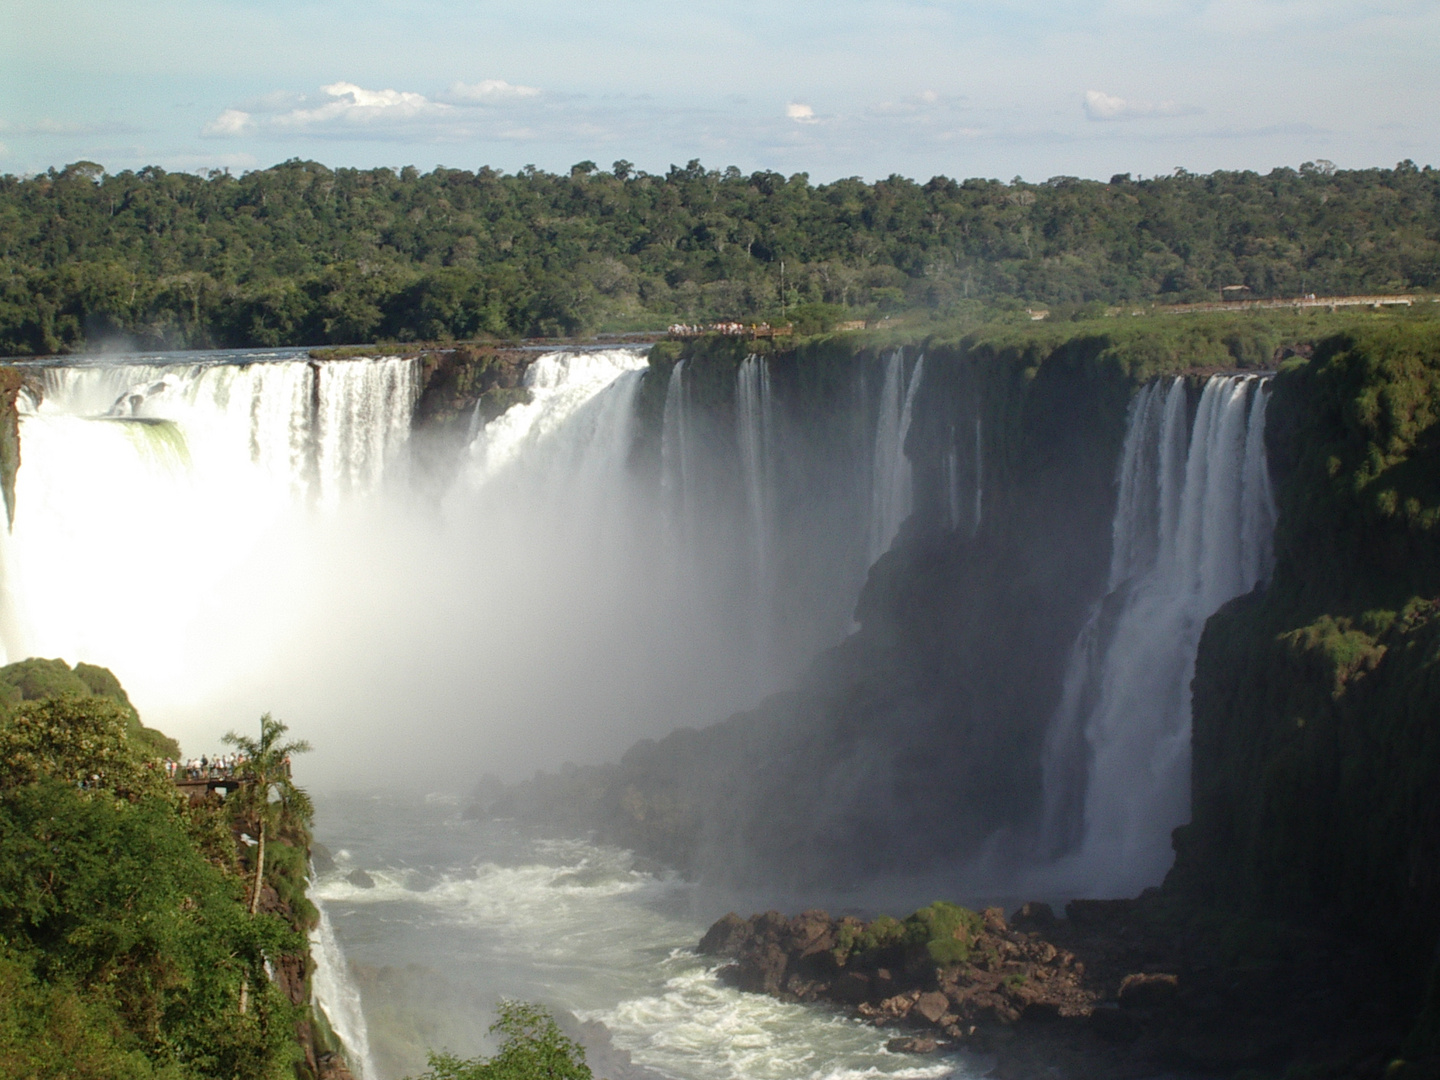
x: 542, y: 435
x: 142, y: 485
x: 1192, y: 529
x: 892, y: 480
x: 333, y: 991
x: 755, y: 434
x: 465, y: 913
x: 676, y: 468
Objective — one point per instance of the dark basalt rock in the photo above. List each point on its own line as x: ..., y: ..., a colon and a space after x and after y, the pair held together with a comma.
x: 360, y: 878
x: 1122, y: 990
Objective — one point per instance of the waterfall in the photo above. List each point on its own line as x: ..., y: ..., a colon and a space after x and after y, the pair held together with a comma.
x: 555, y: 429
x: 142, y: 485
x: 337, y: 997
x: 957, y: 505
x: 979, y: 474
x: 892, y: 492
x: 676, y: 469
x: 755, y: 433
x: 1193, y: 528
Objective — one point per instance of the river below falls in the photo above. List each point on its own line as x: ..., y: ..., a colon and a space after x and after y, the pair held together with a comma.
x: 463, y: 914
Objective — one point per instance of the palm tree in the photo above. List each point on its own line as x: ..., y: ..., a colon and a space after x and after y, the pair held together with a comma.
x: 265, y: 769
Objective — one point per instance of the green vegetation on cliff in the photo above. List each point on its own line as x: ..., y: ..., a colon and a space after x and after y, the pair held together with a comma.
x: 38, y: 680
x: 302, y: 254
x: 1317, y: 701
x: 126, y: 942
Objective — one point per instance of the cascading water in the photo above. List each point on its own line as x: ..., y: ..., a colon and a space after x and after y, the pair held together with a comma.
x: 755, y: 433
x: 556, y: 431
x: 336, y: 995
x: 676, y: 468
x: 891, y: 491
x: 1192, y: 529
x: 141, y: 484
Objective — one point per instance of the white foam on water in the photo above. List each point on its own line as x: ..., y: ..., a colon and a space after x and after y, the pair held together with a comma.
x: 697, y: 1027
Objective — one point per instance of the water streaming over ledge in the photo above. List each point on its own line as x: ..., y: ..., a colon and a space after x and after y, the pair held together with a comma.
x: 141, y: 482
x: 1192, y: 529
x: 335, y: 994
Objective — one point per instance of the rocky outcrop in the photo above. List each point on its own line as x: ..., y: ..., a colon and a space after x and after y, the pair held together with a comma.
x: 987, y: 974
x: 1115, y: 989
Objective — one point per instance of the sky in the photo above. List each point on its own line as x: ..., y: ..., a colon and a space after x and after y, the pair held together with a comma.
x: 995, y: 88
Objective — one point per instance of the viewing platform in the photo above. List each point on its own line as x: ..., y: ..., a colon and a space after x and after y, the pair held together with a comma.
x: 198, y: 781
x: 222, y: 781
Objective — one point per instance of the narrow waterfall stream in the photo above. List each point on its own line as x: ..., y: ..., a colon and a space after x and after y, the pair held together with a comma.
x: 1192, y: 529
x: 335, y: 993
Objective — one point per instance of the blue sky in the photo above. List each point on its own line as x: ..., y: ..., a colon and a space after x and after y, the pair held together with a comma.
x: 848, y: 87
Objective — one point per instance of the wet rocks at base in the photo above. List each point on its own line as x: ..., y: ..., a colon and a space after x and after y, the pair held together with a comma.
x: 1116, y: 989
x: 1006, y: 974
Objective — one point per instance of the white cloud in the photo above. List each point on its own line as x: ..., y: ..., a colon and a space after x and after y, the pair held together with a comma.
x: 488, y: 90
x: 348, y: 110
x: 354, y: 105
x: 229, y: 123
x: 801, y: 114
x: 1103, y: 106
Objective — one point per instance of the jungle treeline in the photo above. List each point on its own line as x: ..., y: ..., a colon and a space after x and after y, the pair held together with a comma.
x: 303, y: 254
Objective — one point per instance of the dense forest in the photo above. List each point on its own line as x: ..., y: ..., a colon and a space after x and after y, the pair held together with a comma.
x: 302, y: 254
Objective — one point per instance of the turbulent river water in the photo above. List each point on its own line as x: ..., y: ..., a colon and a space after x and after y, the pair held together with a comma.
x: 464, y: 913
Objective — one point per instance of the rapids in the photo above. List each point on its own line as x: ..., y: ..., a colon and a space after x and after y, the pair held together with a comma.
x: 465, y: 912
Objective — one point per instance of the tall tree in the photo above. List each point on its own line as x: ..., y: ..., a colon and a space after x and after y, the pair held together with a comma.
x: 265, y: 770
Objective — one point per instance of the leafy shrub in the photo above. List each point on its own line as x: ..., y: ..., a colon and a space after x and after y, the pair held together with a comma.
x: 534, y: 1048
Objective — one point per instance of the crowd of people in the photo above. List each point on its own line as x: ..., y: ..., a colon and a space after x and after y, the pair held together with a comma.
x: 730, y: 329
x: 223, y: 767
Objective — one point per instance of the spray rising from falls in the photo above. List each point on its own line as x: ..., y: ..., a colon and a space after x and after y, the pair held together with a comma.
x: 1192, y: 529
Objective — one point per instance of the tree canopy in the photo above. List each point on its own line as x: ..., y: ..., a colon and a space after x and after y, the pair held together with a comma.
x: 124, y: 936
x: 533, y: 1048
x: 303, y: 254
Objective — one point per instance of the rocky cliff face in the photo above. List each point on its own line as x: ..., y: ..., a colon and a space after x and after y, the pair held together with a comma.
x: 1317, y: 703
x: 918, y: 739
